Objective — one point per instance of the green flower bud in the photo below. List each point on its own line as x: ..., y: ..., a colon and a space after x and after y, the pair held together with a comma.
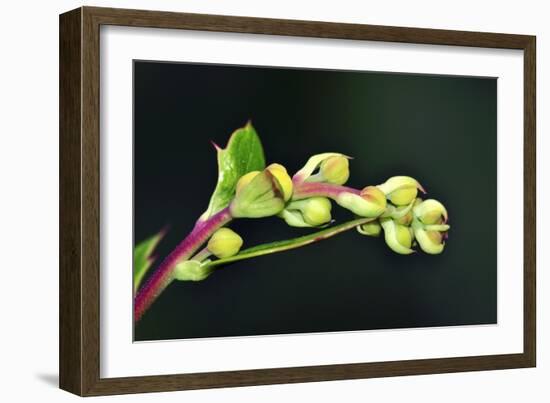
x: 430, y: 241
x: 401, y: 190
x: 312, y: 164
x: 246, y: 179
x: 398, y: 237
x: 372, y: 228
x: 431, y: 211
x: 316, y: 210
x: 262, y: 196
x: 279, y: 172
x: 430, y: 225
x: 370, y: 203
x: 311, y: 212
x: 225, y: 243
x: 191, y: 270
x: 335, y: 170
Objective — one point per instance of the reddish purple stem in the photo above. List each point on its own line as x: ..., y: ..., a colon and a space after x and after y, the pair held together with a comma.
x: 163, y: 275
x: 312, y: 189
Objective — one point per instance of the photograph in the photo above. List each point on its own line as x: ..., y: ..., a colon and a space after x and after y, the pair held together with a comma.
x: 251, y: 199
x: 276, y: 200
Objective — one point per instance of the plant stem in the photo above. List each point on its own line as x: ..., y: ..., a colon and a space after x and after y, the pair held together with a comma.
x: 163, y: 275
x: 281, y: 246
x: 202, y: 254
x: 311, y: 189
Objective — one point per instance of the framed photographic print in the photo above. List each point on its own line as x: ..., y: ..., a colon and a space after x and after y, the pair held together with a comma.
x: 249, y: 201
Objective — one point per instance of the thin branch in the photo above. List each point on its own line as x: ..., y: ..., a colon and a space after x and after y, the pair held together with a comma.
x: 281, y: 246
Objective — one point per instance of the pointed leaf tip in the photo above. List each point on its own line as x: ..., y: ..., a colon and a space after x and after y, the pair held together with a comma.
x: 143, y: 256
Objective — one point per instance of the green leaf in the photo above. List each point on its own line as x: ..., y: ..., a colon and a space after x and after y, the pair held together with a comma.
x: 244, y: 153
x: 142, y: 257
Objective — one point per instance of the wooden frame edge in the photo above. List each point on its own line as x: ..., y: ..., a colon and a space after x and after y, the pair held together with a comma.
x: 70, y: 274
x: 530, y: 209
x: 321, y: 373
x: 79, y: 201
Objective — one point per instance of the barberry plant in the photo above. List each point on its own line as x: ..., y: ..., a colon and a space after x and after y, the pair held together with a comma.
x: 247, y: 188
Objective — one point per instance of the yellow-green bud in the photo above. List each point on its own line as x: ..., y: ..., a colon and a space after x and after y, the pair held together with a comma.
x: 335, y: 170
x: 317, y: 211
x: 430, y: 241
x: 431, y: 211
x: 191, y: 270
x: 245, y: 180
x: 305, y: 173
x: 310, y: 212
x: 370, y: 203
x: 401, y: 190
x: 430, y: 225
x: 262, y: 196
x: 225, y: 243
x: 398, y: 237
x: 372, y: 228
x: 280, y: 173
x: 372, y: 194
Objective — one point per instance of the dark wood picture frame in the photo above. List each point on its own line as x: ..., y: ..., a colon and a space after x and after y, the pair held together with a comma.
x: 79, y: 354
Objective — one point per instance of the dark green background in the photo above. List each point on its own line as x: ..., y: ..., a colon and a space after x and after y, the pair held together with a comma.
x: 438, y: 129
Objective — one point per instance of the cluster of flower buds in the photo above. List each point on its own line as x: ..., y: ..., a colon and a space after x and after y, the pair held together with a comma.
x: 409, y: 220
x: 305, y: 201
